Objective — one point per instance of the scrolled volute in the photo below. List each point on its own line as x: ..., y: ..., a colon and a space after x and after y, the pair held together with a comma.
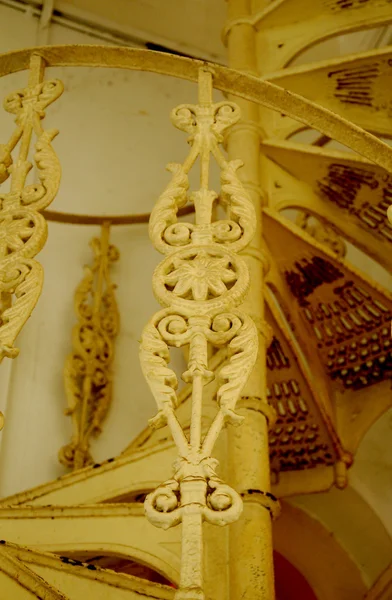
x: 237, y: 232
x: 164, y: 230
x: 174, y: 329
x: 22, y: 234
x: 162, y: 506
x: 226, y: 114
x: 154, y: 359
x: 35, y: 98
x: 40, y: 195
x: 224, y: 326
x: 211, y: 120
x: 224, y: 504
x: 24, y: 279
x: 242, y: 354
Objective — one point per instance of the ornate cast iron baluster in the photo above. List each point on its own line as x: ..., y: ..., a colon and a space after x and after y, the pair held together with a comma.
x: 88, y: 374
x: 23, y: 229
x: 200, y: 283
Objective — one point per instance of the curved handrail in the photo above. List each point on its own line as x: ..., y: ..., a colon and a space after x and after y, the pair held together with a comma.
x: 227, y: 80
x: 129, y: 219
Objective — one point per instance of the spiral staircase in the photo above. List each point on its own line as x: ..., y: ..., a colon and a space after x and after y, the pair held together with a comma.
x: 329, y: 358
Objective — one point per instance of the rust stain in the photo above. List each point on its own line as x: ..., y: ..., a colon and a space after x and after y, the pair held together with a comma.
x: 342, y: 185
x: 276, y: 358
x: 341, y: 5
x: 308, y: 275
x: 355, y: 85
x: 299, y: 439
x: 351, y: 329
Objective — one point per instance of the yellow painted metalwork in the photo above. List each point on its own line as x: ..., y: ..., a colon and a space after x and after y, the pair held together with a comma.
x: 23, y: 230
x: 322, y: 327
x: 88, y: 372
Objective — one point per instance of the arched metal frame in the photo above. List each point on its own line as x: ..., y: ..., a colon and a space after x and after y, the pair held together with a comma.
x: 226, y: 80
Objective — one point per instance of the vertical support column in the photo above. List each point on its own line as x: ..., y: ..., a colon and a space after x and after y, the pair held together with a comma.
x: 250, y: 546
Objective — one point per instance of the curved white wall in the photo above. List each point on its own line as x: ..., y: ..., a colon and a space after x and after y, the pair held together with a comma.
x: 115, y: 141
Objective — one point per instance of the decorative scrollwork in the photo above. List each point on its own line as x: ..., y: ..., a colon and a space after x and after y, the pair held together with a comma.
x: 88, y: 370
x: 33, y: 99
x: 323, y: 233
x: 239, y: 231
x: 201, y: 279
x: 21, y: 233
x: 206, y: 123
x: 242, y: 351
x: 23, y: 279
x: 23, y: 230
x: 39, y: 196
x: 163, y: 505
x: 224, y: 505
x: 220, y: 116
x: 154, y: 358
x: 164, y: 214
x: 201, y: 282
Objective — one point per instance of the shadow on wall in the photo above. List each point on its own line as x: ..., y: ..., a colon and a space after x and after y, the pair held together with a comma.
x: 290, y: 584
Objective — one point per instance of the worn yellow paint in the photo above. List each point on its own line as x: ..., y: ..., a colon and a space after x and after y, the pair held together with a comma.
x: 261, y: 39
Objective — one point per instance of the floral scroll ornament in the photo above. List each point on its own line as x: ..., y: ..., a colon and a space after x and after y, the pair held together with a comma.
x: 200, y: 283
x: 88, y: 375
x: 23, y: 229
